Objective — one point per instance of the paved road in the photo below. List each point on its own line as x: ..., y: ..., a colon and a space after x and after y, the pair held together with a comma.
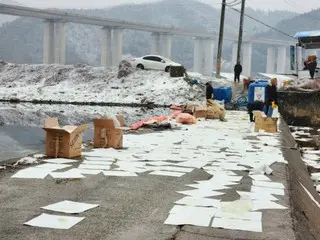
x: 131, y: 208
x: 20, y: 141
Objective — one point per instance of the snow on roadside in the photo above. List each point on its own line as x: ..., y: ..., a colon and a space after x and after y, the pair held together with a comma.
x: 35, y: 114
x: 83, y: 83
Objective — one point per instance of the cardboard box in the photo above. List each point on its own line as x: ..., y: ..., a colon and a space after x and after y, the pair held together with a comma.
x: 265, y: 123
x: 190, y: 107
x: 106, y: 135
x: 63, y: 141
x: 200, y: 112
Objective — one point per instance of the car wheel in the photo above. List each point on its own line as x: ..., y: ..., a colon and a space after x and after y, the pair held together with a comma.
x: 167, y: 69
x: 140, y: 66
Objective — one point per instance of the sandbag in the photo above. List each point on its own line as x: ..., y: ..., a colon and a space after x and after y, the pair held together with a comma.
x: 175, y: 114
x: 186, y: 118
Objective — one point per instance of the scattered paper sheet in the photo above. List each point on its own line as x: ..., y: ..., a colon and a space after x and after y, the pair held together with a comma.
x: 97, y: 163
x: 60, y: 160
x: 53, y: 166
x: 268, y: 184
x: 70, y: 207
x: 194, y: 210
x: 32, y: 173
x: 174, y: 169
x: 200, y: 202
x: 200, y: 193
x: 99, y: 159
x: 250, y: 216
x: 54, y: 221
x: 210, y: 186
x: 257, y: 196
x: 120, y: 174
x: 275, y: 191
x: 238, y: 206
x: 195, y: 219
x: 167, y: 173
x: 237, y: 224
x: 260, y: 177
x: 96, y: 167
x: 86, y: 171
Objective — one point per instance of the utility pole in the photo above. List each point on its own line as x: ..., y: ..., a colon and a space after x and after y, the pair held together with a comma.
x: 243, y: 6
x: 219, y: 56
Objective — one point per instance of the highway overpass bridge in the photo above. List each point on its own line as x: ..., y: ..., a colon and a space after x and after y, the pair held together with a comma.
x: 54, y: 45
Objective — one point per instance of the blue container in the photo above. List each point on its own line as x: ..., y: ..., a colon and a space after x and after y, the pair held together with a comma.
x: 222, y: 93
x: 258, y: 91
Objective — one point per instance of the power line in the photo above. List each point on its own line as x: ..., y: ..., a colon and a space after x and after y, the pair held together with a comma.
x: 257, y: 20
x: 233, y: 3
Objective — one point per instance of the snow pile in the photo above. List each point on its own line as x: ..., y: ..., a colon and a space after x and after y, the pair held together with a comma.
x: 83, y: 83
x: 28, y: 114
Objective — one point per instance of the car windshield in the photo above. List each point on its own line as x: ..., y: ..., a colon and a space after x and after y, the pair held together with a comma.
x: 166, y: 59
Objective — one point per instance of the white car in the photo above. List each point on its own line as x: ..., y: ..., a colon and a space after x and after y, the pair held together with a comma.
x: 154, y: 62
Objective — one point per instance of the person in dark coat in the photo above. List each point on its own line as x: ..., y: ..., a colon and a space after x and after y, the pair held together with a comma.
x: 209, y: 91
x: 255, y: 106
x: 237, y: 72
x: 312, y: 66
x: 272, y: 97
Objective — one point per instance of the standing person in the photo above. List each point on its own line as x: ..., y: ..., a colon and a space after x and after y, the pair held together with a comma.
x: 312, y: 66
x: 272, y: 97
x: 237, y: 72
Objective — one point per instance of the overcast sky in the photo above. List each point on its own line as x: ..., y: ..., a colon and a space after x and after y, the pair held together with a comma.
x: 292, y: 5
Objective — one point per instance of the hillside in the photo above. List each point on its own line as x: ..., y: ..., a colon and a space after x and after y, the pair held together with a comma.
x: 21, y: 41
x: 303, y: 22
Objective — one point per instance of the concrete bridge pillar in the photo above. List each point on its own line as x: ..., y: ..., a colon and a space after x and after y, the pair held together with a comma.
x: 281, y: 60
x: 48, y: 42
x: 234, y: 53
x: 300, y: 58
x: 203, y: 55
x: 60, y: 42
x: 247, y: 58
x: 166, y: 42
x: 106, y: 47
x: 155, y: 44
x: 54, y: 42
x: 208, y: 56
x: 271, y: 60
x: 117, y: 46
x: 198, y: 59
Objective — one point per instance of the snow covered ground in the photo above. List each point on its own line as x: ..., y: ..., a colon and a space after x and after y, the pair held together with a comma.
x: 35, y: 114
x: 83, y: 83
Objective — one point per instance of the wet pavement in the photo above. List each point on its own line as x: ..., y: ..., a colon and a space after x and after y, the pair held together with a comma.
x: 19, y: 141
x: 137, y: 207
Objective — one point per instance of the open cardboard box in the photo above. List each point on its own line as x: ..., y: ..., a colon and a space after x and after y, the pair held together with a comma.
x: 106, y: 135
x: 63, y: 141
x: 265, y: 123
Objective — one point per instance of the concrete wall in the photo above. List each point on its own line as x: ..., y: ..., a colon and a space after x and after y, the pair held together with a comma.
x: 300, y: 108
x: 305, y: 210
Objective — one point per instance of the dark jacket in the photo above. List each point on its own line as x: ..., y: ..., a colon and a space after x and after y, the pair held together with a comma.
x: 272, y: 95
x: 238, y: 69
x: 209, y: 91
x: 312, y: 65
